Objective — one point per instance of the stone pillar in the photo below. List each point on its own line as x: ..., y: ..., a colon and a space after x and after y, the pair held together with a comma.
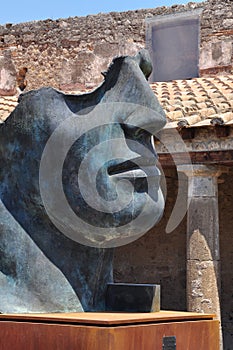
x: 203, y: 255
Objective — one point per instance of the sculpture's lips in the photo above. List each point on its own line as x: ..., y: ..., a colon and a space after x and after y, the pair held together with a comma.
x: 140, y: 167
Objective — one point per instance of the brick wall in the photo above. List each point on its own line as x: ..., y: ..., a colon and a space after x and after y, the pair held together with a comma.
x: 158, y: 257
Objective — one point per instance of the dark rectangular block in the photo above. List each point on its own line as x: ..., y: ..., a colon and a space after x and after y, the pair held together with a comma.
x: 169, y: 343
x: 128, y: 297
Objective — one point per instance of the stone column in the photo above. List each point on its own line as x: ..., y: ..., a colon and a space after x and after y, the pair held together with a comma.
x: 203, y: 255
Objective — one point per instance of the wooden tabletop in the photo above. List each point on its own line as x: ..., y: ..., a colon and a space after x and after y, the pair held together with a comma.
x: 107, y: 318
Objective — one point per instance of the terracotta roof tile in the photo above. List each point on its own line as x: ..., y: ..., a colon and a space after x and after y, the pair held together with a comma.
x: 7, y: 105
x: 195, y: 102
x: 199, y: 100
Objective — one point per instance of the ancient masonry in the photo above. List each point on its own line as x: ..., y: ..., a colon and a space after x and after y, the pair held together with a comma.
x: 70, y: 53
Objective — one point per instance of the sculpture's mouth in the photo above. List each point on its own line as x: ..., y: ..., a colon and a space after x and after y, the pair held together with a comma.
x: 138, y: 167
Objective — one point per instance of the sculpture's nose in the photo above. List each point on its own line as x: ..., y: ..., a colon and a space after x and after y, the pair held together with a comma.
x: 149, y: 119
x: 148, y: 113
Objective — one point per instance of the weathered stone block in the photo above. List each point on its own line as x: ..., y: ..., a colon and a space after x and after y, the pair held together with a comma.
x: 202, y: 186
x: 203, y: 289
x: 203, y: 230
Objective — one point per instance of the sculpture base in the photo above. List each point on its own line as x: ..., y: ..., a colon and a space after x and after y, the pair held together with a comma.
x: 104, y: 331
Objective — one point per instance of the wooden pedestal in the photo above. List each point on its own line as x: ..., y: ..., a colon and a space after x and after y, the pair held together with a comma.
x: 109, y: 331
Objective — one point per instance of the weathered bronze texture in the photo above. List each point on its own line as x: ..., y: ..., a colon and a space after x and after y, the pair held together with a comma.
x: 47, y: 264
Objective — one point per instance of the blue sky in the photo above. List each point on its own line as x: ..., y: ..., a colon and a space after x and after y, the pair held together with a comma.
x: 13, y: 11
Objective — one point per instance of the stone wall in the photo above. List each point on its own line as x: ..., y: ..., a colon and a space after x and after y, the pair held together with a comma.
x: 70, y: 53
x: 216, y: 55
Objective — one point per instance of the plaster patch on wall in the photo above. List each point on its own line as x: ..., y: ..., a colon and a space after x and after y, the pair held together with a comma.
x: 7, y: 75
x: 215, y: 53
